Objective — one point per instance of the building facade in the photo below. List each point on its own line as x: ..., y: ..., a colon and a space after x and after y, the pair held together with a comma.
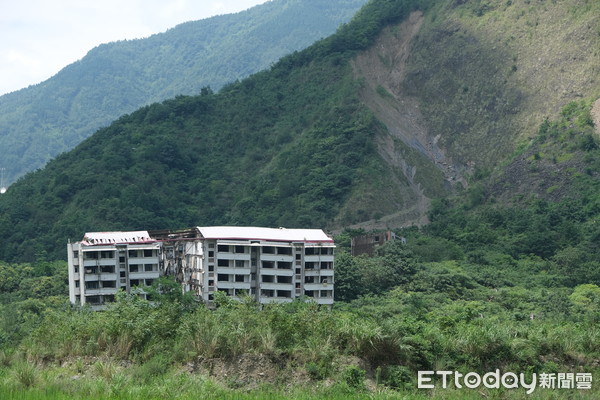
x: 105, y: 262
x: 267, y: 264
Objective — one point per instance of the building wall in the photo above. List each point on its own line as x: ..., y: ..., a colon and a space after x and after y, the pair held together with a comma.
x: 268, y: 271
x: 97, y: 273
x: 367, y: 244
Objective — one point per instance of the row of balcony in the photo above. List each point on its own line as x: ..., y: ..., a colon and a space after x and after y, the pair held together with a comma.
x: 273, y: 250
x: 114, y: 276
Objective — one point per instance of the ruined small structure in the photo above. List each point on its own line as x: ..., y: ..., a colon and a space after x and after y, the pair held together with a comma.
x: 268, y: 264
x: 366, y: 244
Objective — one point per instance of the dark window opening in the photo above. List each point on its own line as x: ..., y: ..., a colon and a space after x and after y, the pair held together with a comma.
x: 284, y: 265
x: 92, y: 285
x: 223, y: 263
x: 284, y: 250
x: 107, y: 254
x: 91, y: 255
x: 268, y: 250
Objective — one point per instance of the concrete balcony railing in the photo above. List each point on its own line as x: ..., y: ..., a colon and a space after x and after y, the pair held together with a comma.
x: 100, y: 277
x: 276, y: 286
x: 234, y: 270
x: 100, y: 261
x: 100, y: 291
x: 267, y: 300
x: 234, y: 256
x: 318, y: 286
x: 144, y: 275
x: 277, y: 257
x: 277, y: 271
x: 319, y: 257
x: 233, y: 285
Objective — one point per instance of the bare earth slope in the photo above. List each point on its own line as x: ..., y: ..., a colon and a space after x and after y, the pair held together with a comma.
x: 460, y: 87
x: 407, y: 146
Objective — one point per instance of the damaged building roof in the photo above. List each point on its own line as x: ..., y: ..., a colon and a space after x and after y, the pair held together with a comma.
x: 210, y: 232
x: 92, y: 238
x: 257, y: 233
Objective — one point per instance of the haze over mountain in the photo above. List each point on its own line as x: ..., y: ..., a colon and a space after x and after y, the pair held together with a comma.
x: 411, y: 101
x: 43, y: 120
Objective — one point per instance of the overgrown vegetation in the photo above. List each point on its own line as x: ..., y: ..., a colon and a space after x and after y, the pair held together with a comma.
x: 505, y: 276
x: 285, y: 147
x: 483, y: 287
x: 44, y: 120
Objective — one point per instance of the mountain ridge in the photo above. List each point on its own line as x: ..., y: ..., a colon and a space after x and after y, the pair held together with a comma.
x: 303, y: 143
x: 41, y: 121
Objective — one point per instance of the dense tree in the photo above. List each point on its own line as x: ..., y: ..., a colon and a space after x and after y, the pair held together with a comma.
x: 41, y: 121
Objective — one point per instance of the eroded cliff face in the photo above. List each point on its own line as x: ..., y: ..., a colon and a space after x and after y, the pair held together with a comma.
x: 461, y: 87
x: 407, y: 144
x: 384, y: 70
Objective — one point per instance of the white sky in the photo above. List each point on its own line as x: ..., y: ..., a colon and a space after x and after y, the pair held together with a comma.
x: 40, y: 37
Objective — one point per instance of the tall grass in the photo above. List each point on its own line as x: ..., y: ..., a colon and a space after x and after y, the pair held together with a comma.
x: 329, y: 349
x: 24, y: 374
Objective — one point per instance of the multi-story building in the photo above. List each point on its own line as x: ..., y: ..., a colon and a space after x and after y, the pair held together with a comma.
x: 267, y: 264
x: 106, y: 262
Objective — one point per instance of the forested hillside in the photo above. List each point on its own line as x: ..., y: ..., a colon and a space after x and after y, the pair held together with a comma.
x: 44, y: 120
x: 485, y: 286
x: 321, y: 138
x: 291, y: 146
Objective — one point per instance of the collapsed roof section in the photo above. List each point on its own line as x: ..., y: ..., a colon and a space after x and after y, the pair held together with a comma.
x: 209, y: 232
x: 103, y: 238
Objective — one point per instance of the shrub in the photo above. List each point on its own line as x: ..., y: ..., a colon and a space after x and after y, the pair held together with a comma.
x: 397, y: 377
x: 354, y: 377
x: 25, y: 374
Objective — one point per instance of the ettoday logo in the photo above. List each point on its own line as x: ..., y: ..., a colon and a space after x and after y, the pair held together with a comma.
x: 508, y: 380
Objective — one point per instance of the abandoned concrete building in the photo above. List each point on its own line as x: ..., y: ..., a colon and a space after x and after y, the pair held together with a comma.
x: 367, y: 244
x: 268, y: 264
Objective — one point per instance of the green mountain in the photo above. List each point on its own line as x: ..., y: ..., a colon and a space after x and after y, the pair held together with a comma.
x: 504, y: 168
x: 411, y: 101
x: 42, y: 121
